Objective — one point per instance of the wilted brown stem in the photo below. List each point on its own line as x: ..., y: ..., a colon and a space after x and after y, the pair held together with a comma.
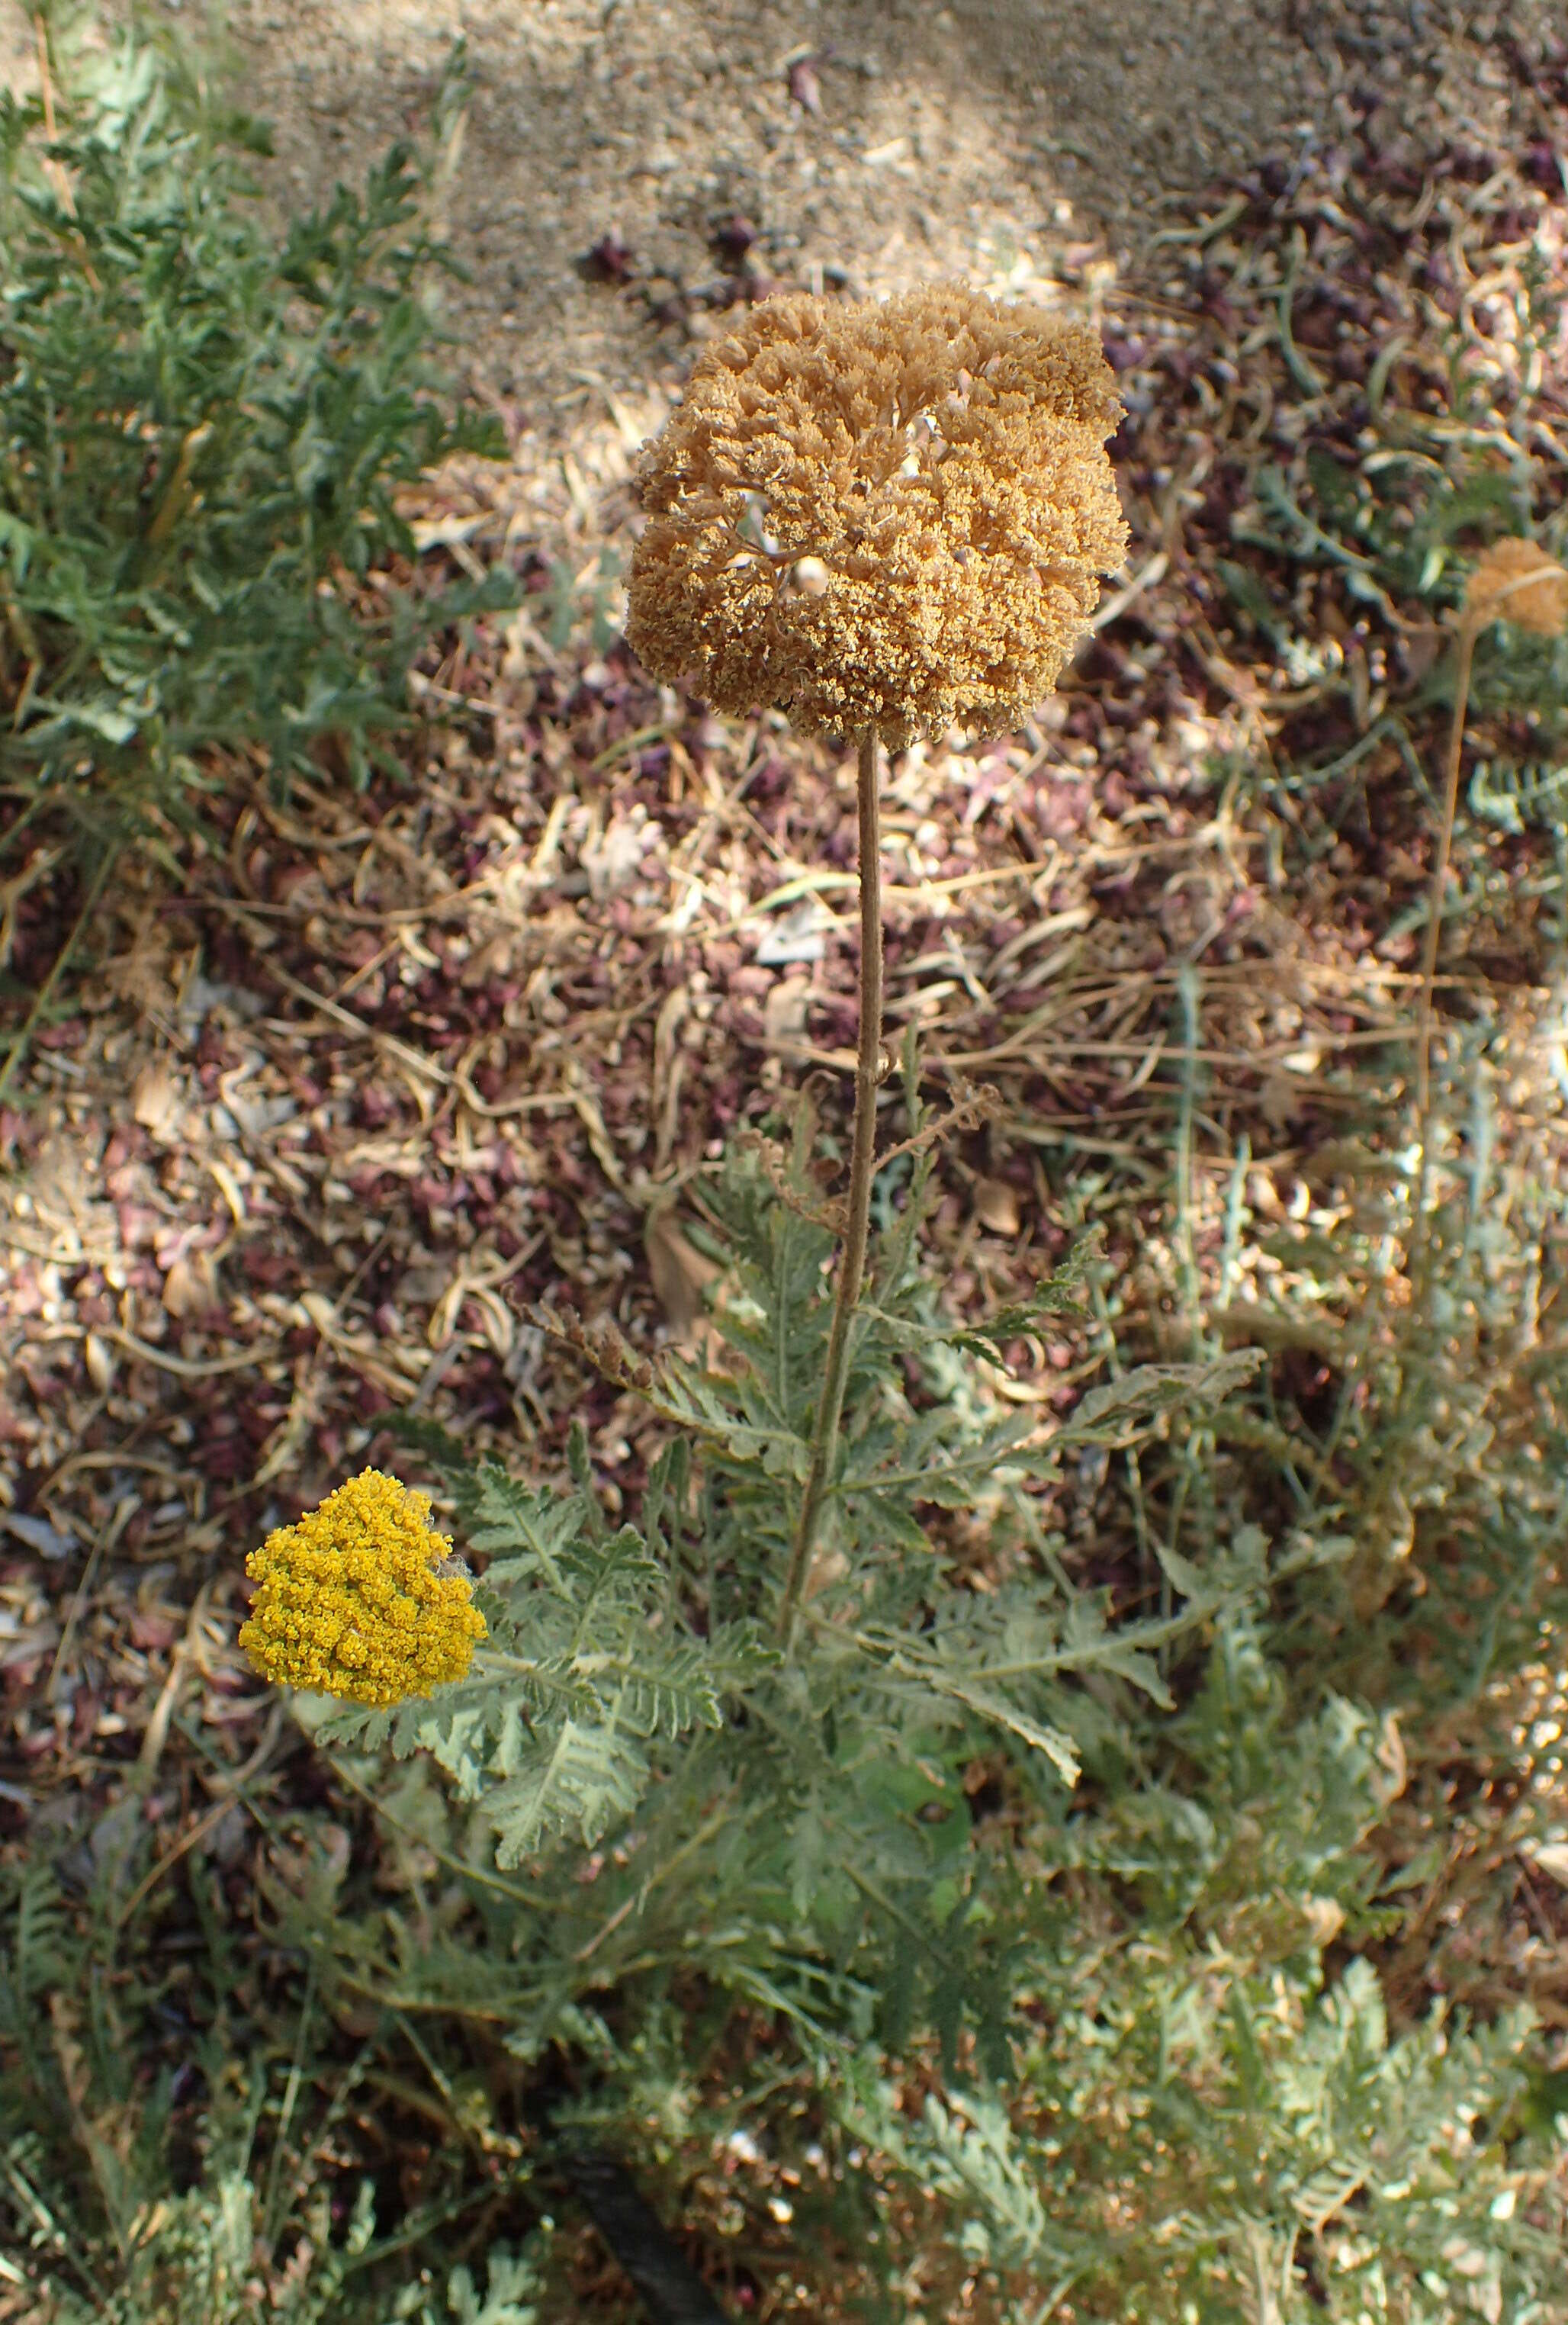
x: 46, y: 85
x: 852, y: 1260
x: 178, y: 490
x: 56, y: 170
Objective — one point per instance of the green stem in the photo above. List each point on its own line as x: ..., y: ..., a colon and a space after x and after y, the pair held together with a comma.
x: 1467, y: 637
x: 1420, y: 1226
x: 853, y: 1262
x: 22, y: 1041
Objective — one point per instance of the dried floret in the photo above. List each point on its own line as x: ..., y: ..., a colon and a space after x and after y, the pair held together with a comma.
x: 362, y: 1598
x: 890, y: 514
x: 1516, y: 581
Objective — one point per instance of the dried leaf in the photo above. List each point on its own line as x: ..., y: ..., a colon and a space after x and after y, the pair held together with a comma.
x: 680, y: 1272
x: 996, y: 1205
x: 156, y: 1102
x: 1325, y: 1918
x: 804, y: 86
x: 784, y: 1011
x: 190, y: 1284
x: 1515, y: 580
x: 799, y: 934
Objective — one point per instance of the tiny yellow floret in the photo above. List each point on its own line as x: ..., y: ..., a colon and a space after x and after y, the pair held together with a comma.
x: 359, y: 1597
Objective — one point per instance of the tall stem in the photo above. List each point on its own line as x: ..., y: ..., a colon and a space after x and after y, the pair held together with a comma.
x: 1467, y: 637
x: 852, y: 1261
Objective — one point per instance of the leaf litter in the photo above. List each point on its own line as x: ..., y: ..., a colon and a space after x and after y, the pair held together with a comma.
x: 394, y: 1070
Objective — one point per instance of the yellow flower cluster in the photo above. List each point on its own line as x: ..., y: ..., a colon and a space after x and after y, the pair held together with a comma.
x: 891, y: 514
x: 359, y: 1597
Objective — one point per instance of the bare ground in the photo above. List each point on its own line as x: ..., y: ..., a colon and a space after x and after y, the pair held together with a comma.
x: 872, y: 142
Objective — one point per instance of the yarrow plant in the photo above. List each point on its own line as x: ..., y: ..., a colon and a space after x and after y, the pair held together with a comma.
x: 881, y: 518
x: 362, y: 1598
x: 789, y: 1730
x: 763, y: 1708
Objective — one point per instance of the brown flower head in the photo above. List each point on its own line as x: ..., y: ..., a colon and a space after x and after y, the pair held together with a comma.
x: 1516, y: 582
x: 893, y: 513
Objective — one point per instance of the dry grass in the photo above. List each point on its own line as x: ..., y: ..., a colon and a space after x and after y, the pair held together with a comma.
x: 322, y: 1124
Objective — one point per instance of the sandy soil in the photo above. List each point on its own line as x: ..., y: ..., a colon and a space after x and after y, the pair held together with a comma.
x: 631, y: 169
x: 867, y: 143
x: 878, y: 140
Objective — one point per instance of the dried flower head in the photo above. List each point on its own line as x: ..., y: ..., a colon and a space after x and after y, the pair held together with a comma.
x: 893, y: 513
x: 1516, y: 582
x: 362, y: 1598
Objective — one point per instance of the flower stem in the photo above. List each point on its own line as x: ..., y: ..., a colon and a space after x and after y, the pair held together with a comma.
x: 1467, y: 637
x: 852, y: 1261
x: 1420, y: 1252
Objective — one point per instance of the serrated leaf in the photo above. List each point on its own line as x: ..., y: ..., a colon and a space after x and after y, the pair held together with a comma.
x: 589, y: 1777
x: 17, y: 540
x: 678, y: 1693
x: 104, y: 717
x: 1140, y: 1396
x: 1182, y: 1574
x: 1056, y: 1295
x: 365, y: 1729
x: 1001, y: 1712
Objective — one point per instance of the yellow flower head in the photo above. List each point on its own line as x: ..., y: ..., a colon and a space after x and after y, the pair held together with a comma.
x: 359, y: 1598
x: 1516, y: 582
x: 893, y: 512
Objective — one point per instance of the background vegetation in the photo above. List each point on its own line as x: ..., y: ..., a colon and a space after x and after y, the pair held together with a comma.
x: 205, y: 430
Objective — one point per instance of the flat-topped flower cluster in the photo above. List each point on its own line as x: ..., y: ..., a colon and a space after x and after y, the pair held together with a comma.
x: 362, y: 1598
